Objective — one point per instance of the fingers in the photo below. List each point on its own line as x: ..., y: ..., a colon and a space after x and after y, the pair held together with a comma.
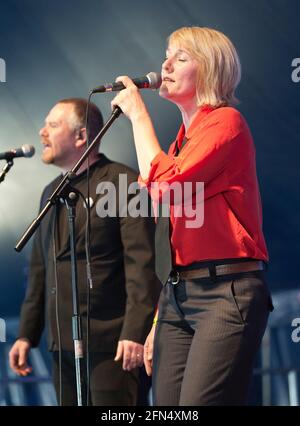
x: 127, y: 83
x: 22, y: 357
x: 125, y: 99
x: 148, y: 351
x: 24, y: 370
x: 120, y: 97
x: 18, y: 359
x: 119, y: 353
x: 140, y: 359
x: 129, y: 99
x: 148, y: 367
x: 23, y: 367
x: 13, y: 360
x: 148, y: 355
x: 132, y: 355
x: 125, y: 80
x: 127, y: 359
x: 136, y: 360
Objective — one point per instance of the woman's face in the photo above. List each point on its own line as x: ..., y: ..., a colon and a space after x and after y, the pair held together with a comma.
x: 179, y: 76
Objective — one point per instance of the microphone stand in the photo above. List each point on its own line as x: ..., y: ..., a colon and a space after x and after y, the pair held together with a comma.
x: 6, y: 168
x: 70, y: 197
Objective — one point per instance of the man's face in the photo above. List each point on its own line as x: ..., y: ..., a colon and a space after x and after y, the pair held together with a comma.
x: 58, y: 139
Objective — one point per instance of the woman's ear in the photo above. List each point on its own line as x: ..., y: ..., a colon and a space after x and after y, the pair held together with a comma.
x: 80, y: 137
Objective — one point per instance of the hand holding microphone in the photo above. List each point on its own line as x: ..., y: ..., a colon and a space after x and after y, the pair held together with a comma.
x: 129, y: 99
x: 132, y: 105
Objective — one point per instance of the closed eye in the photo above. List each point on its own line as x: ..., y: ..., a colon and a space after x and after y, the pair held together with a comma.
x: 53, y: 124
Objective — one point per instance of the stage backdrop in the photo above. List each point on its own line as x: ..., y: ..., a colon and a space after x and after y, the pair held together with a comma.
x: 58, y: 49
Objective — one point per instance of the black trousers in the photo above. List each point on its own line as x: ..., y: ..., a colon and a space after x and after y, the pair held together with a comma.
x: 207, y: 336
x: 110, y: 385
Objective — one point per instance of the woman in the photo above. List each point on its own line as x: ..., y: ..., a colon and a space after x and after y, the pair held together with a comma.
x: 214, y: 306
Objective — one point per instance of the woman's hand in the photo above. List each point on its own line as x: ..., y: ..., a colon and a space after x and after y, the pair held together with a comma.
x: 132, y: 105
x: 129, y: 100
x: 148, y: 351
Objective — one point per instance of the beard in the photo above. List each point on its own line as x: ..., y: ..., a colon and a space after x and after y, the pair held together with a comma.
x: 47, y: 156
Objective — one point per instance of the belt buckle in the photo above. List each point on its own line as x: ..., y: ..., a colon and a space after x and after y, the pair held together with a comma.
x: 174, y: 279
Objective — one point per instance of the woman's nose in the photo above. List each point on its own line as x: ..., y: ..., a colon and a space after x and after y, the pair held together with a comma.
x: 167, y: 64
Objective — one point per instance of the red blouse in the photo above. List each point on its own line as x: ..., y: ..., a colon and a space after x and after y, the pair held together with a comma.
x: 219, y: 152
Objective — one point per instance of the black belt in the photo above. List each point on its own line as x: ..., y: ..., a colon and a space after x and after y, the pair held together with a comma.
x: 216, y: 270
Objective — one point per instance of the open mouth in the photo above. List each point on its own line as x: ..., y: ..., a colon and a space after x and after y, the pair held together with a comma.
x: 46, y: 145
x: 168, y: 79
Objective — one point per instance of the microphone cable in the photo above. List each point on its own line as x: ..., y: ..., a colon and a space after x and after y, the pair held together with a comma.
x: 89, y: 286
x: 57, y: 316
x: 89, y: 278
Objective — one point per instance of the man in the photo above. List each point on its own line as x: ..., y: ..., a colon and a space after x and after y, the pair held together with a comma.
x: 125, y: 289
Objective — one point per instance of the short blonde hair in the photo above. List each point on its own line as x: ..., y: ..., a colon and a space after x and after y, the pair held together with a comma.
x: 219, y: 70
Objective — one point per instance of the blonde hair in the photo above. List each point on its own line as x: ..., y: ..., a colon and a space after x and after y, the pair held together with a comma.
x: 219, y: 70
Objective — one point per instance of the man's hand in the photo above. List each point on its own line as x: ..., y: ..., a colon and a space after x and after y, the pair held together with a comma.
x: 132, y: 354
x: 18, y: 356
x: 148, y: 351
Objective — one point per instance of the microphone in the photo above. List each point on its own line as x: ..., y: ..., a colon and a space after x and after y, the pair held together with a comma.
x: 149, y: 81
x: 24, y: 151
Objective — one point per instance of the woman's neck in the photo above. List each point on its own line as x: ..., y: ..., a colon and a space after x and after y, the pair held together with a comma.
x: 188, y: 114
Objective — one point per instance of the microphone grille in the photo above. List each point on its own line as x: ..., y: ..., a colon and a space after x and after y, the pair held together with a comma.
x: 154, y: 80
x: 28, y: 150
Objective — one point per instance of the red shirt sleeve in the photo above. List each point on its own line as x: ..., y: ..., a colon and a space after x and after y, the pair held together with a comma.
x: 206, y: 152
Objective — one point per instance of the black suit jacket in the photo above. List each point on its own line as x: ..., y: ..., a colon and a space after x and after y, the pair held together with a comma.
x: 125, y: 288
